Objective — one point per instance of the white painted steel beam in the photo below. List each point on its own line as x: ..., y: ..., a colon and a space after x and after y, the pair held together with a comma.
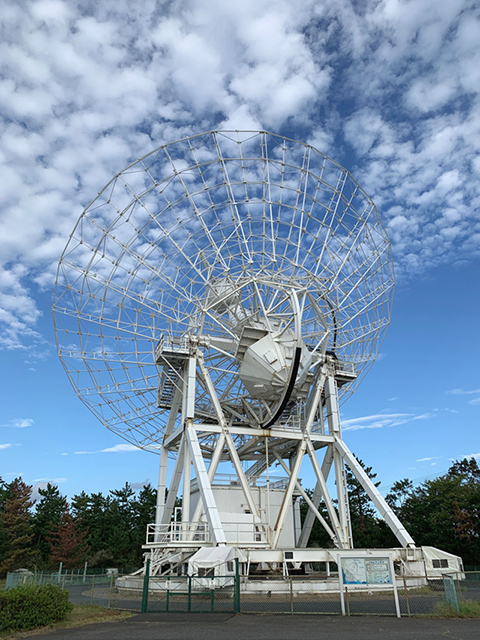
x: 187, y: 465
x: 162, y: 486
x: 191, y: 386
x: 162, y: 471
x: 204, y: 485
x: 241, y: 476
x: 212, y: 469
x: 333, y: 421
x: 332, y: 514
x: 173, y: 439
x: 341, y: 500
x: 176, y: 405
x: 283, y: 434
x: 174, y: 484
x: 234, y: 457
x: 308, y: 500
x: 287, y: 496
x: 316, y: 497
x: 298, y: 459
x: 331, y: 402
x: 378, y: 500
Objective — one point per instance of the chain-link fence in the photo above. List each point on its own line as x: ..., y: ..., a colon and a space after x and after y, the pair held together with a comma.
x: 249, y: 594
x: 102, y: 589
x: 416, y: 595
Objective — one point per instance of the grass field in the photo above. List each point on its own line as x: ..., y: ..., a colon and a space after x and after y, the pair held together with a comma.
x: 79, y: 616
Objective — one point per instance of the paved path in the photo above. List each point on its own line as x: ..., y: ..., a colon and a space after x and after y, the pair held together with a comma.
x: 270, y: 627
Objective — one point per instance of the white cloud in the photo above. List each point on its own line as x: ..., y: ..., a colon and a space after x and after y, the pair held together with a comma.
x: 19, y: 423
x: 471, y: 455
x: 379, y: 421
x: 138, y: 486
x: 42, y: 483
x: 86, y: 88
x: 464, y: 392
x: 384, y: 420
x: 5, y: 446
x: 428, y: 459
x: 118, y: 448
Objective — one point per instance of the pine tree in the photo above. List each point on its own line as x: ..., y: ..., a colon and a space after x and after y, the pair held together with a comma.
x: 16, y: 521
x: 67, y: 543
x: 144, y: 514
x: 445, y: 512
x: 4, y: 493
x: 48, y: 512
x: 367, y: 529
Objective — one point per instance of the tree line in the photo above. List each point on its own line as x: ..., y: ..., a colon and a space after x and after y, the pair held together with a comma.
x: 109, y: 530
x: 103, y: 530
x: 443, y: 512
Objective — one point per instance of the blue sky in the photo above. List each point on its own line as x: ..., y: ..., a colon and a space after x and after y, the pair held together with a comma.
x: 389, y: 89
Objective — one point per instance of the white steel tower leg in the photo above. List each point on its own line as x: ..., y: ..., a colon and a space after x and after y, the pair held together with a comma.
x: 287, y: 497
x: 309, y: 501
x: 302, y: 446
x: 162, y: 484
x: 316, y: 498
x: 229, y: 441
x: 162, y: 472
x: 333, y: 419
x: 326, y: 496
x: 378, y: 500
x: 187, y: 463
x: 216, y: 457
x: 204, y: 485
x: 174, y: 483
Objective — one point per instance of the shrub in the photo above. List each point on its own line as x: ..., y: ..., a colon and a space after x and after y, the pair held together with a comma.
x: 30, y: 606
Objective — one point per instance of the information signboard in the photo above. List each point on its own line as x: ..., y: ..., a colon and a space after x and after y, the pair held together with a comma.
x: 366, y: 571
x: 372, y: 571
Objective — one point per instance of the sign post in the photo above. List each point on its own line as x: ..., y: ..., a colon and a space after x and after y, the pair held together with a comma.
x: 371, y: 571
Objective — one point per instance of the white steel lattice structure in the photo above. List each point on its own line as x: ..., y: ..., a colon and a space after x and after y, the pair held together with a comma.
x: 215, y: 302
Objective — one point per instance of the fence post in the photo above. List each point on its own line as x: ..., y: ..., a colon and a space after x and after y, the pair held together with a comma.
x: 110, y: 592
x: 450, y: 591
x: 406, y: 595
x: 236, y: 588
x: 145, y: 587
x: 347, y: 600
x: 189, y: 594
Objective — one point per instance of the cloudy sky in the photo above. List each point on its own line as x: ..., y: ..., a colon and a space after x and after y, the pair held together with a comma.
x: 387, y: 88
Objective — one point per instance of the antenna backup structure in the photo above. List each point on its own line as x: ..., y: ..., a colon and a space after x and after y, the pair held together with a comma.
x: 215, y: 303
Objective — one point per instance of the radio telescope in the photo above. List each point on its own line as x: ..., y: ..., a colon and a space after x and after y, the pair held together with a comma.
x: 215, y: 302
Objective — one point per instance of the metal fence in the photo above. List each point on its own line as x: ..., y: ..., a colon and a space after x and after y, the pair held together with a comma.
x: 247, y: 594
x: 99, y: 589
x: 190, y: 594
x: 416, y: 595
